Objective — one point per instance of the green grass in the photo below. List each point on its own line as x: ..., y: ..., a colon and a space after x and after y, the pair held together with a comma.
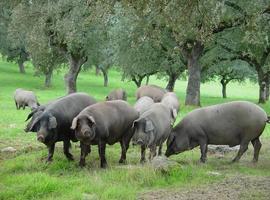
x: 25, y: 175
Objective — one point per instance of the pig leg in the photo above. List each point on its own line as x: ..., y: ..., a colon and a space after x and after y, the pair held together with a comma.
x: 153, y: 152
x: 51, y: 151
x: 124, y: 151
x: 242, y: 150
x: 17, y: 106
x: 143, y: 148
x: 203, y: 148
x: 257, y: 146
x: 160, y: 150
x: 66, y: 150
x: 101, y: 151
x: 85, y: 150
x: 125, y: 145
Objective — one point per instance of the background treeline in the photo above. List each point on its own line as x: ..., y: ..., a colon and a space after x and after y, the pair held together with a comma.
x: 224, y: 40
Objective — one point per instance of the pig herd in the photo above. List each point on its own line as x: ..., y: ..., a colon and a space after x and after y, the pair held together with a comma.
x: 149, y: 123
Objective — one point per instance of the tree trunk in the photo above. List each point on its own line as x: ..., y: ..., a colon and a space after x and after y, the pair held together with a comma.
x: 147, y: 80
x: 266, y: 92
x: 105, y: 77
x: 224, y: 83
x: 97, y: 71
x: 21, y: 66
x: 75, y: 65
x: 224, y: 90
x: 48, y: 78
x: 262, y: 87
x: 267, y: 83
x: 139, y: 81
x: 262, y: 93
x: 194, y: 76
x: 171, y: 83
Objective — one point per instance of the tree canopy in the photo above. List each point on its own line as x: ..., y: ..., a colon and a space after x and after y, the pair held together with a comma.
x: 224, y: 39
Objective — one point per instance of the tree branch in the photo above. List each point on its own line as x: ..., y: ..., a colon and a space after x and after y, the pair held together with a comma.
x: 235, y: 7
x: 232, y: 23
x: 266, y: 11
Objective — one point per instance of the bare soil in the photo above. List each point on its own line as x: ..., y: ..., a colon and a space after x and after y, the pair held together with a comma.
x: 233, y: 188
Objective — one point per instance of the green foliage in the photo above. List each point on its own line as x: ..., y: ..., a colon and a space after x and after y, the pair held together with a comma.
x: 11, y: 48
x: 236, y: 70
x: 144, y: 47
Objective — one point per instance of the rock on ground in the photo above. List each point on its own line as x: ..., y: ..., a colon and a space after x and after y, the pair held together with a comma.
x: 9, y: 150
x: 222, y: 149
x: 163, y: 164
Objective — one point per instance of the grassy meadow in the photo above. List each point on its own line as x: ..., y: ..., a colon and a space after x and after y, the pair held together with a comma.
x: 25, y: 175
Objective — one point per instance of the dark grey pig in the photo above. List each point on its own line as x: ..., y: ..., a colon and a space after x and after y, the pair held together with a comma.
x: 234, y: 123
x: 152, y: 129
x: 105, y: 123
x: 52, y: 122
x: 152, y: 91
x: 143, y: 104
x: 118, y: 94
x: 25, y: 98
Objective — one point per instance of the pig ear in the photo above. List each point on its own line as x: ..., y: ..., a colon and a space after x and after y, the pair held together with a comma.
x: 170, y: 140
x: 92, y: 120
x: 31, y: 114
x: 148, y: 125
x: 74, y: 123
x: 174, y: 113
x: 135, y: 122
x: 33, y: 127
x: 52, y: 122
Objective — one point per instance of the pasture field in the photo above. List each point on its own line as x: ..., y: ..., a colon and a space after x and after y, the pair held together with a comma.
x: 25, y: 175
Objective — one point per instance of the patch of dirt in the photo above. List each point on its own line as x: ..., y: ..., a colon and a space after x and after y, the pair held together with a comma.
x: 234, y: 188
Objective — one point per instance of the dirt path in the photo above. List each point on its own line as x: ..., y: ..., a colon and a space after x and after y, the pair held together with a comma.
x: 239, y: 187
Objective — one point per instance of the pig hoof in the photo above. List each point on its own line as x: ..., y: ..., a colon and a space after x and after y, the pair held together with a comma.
x: 254, y: 161
x: 49, y: 160
x: 103, y: 165
x: 142, y: 161
x: 82, y: 164
x: 70, y: 158
x: 122, y: 161
x: 202, y: 160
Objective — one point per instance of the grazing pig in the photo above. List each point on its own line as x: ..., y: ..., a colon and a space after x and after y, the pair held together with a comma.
x: 105, y: 123
x: 143, y: 104
x: 118, y: 94
x: 234, y: 123
x: 171, y: 101
x: 24, y: 98
x: 152, y: 129
x: 152, y: 91
x: 52, y: 122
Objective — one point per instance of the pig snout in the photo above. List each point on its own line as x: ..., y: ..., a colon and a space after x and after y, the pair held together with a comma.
x: 137, y: 142
x: 140, y: 142
x: 41, y: 138
x: 86, y: 133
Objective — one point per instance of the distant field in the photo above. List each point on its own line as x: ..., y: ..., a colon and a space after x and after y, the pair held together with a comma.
x: 25, y: 175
